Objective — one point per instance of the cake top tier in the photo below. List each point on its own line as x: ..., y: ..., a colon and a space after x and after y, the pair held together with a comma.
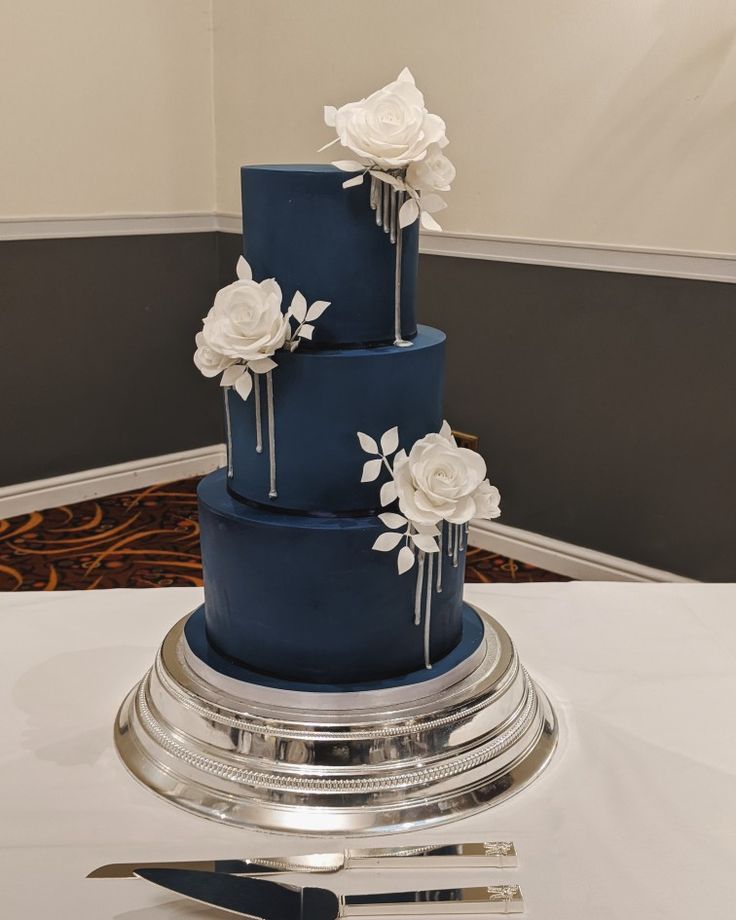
x: 311, y: 234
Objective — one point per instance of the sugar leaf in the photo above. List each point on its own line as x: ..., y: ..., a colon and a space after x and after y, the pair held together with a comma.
x: 405, y: 559
x: 316, y: 310
x: 390, y: 440
x: 392, y: 520
x: 371, y: 470
x: 408, y: 213
x: 425, y: 542
x: 243, y: 385
x: 367, y: 443
x: 243, y: 271
x: 388, y: 493
x: 298, y: 308
x: 387, y: 541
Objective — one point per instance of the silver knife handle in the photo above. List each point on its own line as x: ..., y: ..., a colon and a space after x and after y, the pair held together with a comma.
x: 493, y: 899
x: 498, y: 854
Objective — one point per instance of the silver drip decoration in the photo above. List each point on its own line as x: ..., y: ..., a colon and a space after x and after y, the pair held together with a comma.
x: 259, y: 422
x: 450, y: 535
x: 228, y: 432
x: 272, y: 493
x: 386, y: 201
x: 439, y: 558
x: 428, y: 611
x: 418, y: 594
x: 456, y: 544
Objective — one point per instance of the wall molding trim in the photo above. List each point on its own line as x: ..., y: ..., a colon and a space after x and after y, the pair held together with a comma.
x: 40, y: 494
x: 536, y: 549
x: 702, y: 266
x: 563, y: 558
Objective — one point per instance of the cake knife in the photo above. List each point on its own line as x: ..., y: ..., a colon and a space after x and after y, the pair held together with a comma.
x: 496, y: 854
x: 264, y: 900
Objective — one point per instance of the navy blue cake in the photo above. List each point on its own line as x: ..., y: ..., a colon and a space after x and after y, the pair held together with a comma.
x: 293, y: 587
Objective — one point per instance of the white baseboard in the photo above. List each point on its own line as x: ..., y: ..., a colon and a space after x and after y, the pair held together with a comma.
x: 26, y: 497
x: 671, y: 263
x: 563, y: 558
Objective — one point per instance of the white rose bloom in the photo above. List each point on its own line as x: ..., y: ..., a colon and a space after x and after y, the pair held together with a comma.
x: 440, y: 481
x: 245, y: 322
x: 392, y: 127
x: 209, y: 362
x: 435, y: 173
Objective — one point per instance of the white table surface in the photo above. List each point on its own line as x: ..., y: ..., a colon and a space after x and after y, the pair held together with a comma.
x: 635, y: 818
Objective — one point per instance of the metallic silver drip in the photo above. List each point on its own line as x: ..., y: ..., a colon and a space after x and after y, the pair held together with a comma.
x: 398, y: 339
x: 428, y: 612
x: 450, y: 534
x: 374, y: 193
x: 387, y: 190
x: 228, y: 432
x: 259, y: 422
x: 379, y: 203
x: 439, y: 559
x: 467, y: 534
x: 394, y: 222
x: 418, y: 594
x: 456, y: 544
x: 272, y: 493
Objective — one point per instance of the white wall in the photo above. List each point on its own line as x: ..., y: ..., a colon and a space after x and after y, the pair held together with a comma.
x: 599, y: 121
x: 105, y: 107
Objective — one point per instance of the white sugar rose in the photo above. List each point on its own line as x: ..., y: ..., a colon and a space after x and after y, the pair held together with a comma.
x: 440, y: 481
x: 208, y: 361
x: 245, y: 322
x: 390, y: 128
x: 435, y: 173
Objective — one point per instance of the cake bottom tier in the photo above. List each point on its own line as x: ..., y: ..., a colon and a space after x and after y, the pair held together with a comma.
x: 306, y: 598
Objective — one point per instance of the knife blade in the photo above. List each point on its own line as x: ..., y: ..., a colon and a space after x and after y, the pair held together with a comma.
x: 267, y: 900
x: 496, y: 854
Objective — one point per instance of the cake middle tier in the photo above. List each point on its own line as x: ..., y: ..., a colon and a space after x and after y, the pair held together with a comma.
x: 321, y: 399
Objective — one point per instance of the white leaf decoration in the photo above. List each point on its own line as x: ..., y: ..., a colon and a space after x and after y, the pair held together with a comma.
x: 231, y: 374
x: 433, y: 203
x: 387, y: 541
x: 428, y: 222
x: 428, y: 529
x: 400, y: 457
x: 388, y: 179
x: 330, y: 113
x: 427, y: 543
x: 348, y: 165
x: 262, y: 365
x: 316, y: 310
x: 446, y: 430
x: 306, y: 331
x: 356, y: 180
x: 243, y: 271
x: 243, y: 385
x: 367, y: 443
x: 408, y: 213
x: 388, y: 493
x: 298, y: 308
x: 405, y: 560
x: 390, y: 440
x: 371, y: 470
x: 392, y: 520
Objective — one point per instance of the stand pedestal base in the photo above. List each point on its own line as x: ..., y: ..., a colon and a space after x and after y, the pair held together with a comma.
x: 373, y: 761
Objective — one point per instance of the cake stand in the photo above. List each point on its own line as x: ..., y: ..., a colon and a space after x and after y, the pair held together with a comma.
x: 368, y: 761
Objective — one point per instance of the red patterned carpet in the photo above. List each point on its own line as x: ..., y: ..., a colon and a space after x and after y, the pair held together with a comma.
x: 145, y: 539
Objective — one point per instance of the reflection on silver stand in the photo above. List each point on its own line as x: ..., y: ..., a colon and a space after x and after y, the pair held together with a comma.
x: 373, y: 761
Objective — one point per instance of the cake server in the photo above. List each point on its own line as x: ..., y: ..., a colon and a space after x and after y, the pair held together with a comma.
x: 264, y: 900
x: 498, y: 854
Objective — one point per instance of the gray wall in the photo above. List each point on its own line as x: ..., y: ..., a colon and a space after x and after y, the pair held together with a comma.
x: 96, y: 351
x: 603, y: 401
x: 604, y: 404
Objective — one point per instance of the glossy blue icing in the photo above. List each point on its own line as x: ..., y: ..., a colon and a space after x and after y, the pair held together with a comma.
x: 306, y: 598
x: 322, y: 398
x: 196, y: 636
x: 302, y: 228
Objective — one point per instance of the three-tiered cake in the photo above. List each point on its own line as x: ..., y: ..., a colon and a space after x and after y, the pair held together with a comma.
x: 334, y: 680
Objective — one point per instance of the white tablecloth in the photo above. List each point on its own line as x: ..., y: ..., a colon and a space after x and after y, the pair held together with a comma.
x: 635, y: 818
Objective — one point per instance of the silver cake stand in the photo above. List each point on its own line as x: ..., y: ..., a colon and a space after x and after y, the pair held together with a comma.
x: 367, y: 762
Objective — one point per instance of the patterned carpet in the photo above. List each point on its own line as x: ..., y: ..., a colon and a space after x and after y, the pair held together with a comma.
x: 145, y: 539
